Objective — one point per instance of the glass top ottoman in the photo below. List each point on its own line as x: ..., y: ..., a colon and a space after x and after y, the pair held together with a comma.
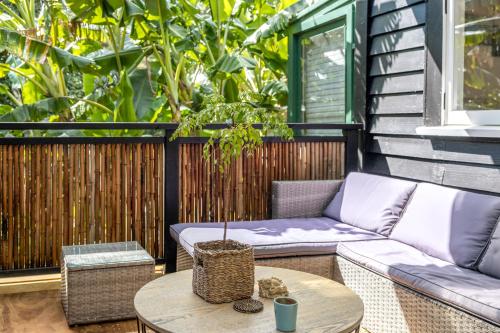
x: 99, y: 281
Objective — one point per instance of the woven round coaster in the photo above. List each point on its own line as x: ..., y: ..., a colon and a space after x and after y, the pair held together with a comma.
x: 248, y: 305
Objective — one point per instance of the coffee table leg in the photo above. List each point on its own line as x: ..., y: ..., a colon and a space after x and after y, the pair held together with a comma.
x: 141, y: 327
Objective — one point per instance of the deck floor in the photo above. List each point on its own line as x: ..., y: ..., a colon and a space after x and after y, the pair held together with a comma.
x: 41, y: 312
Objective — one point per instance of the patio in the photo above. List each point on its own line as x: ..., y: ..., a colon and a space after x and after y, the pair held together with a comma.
x: 125, y: 198
x: 41, y: 311
x: 32, y: 303
x: 316, y: 227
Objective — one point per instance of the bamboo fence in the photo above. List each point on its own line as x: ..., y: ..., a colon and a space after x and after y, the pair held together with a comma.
x: 243, y: 190
x: 59, y: 194
x: 64, y: 194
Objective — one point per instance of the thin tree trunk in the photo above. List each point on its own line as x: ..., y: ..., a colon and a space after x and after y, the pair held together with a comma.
x: 227, y: 187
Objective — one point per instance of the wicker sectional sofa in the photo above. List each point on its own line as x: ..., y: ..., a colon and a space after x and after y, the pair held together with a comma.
x: 424, y: 258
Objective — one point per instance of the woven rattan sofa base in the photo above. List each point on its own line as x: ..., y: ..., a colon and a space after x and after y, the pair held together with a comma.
x: 320, y: 265
x: 392, y: 308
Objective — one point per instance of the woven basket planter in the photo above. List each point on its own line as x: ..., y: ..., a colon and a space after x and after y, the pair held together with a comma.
x: 223, y: 275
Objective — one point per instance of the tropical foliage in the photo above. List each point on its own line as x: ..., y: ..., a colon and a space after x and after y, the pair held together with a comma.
x: 140, y: 60
x: 477, y: 36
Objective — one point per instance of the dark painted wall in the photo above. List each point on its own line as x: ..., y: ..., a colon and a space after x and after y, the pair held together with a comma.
x: 403, y: 92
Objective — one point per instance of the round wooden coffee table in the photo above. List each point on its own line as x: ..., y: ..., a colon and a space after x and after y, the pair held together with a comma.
x: 168, y: 304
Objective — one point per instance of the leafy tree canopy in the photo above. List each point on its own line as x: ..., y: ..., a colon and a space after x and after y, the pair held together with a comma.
x: 138, y: 60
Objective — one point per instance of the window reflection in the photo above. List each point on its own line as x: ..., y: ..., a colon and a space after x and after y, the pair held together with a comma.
x: 323, y: 77
x: 476, y: 55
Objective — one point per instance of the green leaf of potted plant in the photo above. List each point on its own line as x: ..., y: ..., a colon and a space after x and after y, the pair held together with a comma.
x: 224, y: 270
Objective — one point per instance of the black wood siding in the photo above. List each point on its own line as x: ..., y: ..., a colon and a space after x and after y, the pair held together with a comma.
x: 396, y: 74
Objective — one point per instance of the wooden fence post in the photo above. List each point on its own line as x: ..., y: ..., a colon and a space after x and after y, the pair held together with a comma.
x: 171, y: 199
x: 351, y: 158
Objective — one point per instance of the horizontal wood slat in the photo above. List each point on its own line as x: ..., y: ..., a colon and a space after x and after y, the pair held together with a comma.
x: 398, y: 20
x: 383, y: 6
x: 474, y: 177
x: 243, y: 191
x: 396, y: 104
x: 437, y: 149
x: 397, y: 62
x: 399, y: 83
x: 395, y: 125
x: 398, y: 41
x: 65, y: 194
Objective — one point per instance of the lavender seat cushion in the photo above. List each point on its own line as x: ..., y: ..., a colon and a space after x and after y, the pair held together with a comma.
x: 370, y: 202
x: 275, y: 238
x: 467, y: 289
x: 490, y: 263
x: 448, y: 224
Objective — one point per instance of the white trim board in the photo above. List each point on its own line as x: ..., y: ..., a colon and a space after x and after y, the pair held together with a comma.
x: 462, y: 130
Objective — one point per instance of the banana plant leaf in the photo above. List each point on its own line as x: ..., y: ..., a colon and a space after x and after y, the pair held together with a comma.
x: 124, y: 109
x: 189, y: 8
x: 278, y: 23
x: 231, y: 92
x: 106, y: 60
x: 229, y: 64
x: 8, y: 22
x: 102, y: 12
x: 221, y: 9
x: 30, y: 49
x: 146, y: 101
x: 38, y: 111
x: 276, y: 89
x: 155, y: 10
x: 3, y: 88
x: 5, y: 109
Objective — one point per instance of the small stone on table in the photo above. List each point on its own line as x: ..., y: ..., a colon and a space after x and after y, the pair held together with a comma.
x: 272, y: 288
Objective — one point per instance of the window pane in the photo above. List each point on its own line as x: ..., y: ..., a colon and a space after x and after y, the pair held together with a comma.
x: 476, y: 70
x: 323, y: 77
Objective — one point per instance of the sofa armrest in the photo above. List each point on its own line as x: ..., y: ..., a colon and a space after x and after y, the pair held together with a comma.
x: 303, y: 198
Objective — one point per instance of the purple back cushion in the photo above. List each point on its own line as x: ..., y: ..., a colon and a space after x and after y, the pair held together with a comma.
x: 490, y: 263
x: 370, y: 202
x: 448, y: 224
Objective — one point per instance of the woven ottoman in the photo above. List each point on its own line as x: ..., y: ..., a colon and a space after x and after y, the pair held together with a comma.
x: 99, y: 281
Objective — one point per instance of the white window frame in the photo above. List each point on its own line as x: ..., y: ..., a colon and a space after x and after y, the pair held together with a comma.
x: 450, y: 116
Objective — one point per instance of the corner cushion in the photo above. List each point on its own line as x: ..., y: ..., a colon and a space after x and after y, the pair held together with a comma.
x: 275, y: 238
x: 466, y: 289
x: 448, y: 224
x: 490, y: 263
x: 370, y: 202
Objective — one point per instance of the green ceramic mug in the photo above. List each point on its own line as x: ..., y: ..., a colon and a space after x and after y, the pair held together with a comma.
x: 285, y: 312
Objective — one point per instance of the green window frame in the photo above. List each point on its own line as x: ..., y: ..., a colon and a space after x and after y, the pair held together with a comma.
x: 320, y: 18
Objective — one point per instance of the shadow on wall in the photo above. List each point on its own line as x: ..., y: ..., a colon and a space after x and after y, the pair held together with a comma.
x: 464, y: 164
x: 386, y: 63
x: 484, y: 153
x: 435, y: 160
